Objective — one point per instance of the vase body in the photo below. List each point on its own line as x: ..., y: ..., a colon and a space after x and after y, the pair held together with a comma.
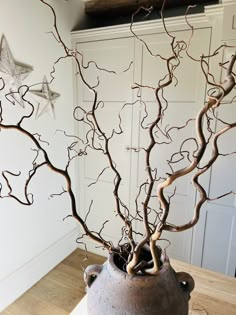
x: 111, y: 291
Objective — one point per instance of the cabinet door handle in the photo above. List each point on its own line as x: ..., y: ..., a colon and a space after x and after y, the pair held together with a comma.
x: 133, y: 149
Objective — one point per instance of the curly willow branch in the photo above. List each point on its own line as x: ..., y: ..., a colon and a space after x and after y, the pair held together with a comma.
x: 96, y: 128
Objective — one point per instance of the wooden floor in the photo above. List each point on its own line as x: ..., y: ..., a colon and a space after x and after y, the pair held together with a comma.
x: 58, y: 292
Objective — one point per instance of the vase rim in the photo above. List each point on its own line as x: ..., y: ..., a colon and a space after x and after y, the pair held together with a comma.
x: 113, y: 267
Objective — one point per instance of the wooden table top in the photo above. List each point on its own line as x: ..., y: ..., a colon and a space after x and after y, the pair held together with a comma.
x: 214, y: 293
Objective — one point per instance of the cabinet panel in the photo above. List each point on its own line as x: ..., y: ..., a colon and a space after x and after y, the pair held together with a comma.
x: 108, y: 66
x: 217, y: 258
x: 214, y: 237
x: 109, y: 118
x: 102, y: 210
x: 223, y: 172
x: 184, y: 100
x: 214, y: 244
x: 177, y: 116
x: 188, y: 71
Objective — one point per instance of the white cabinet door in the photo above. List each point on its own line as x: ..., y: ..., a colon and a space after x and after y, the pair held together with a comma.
x: 127, y: 61
x: 184, y: 100
x: 108, y: 66
x: 214, y: 245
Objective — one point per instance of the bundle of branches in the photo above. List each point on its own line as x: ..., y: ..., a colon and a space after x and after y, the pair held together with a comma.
x: 97, y: 139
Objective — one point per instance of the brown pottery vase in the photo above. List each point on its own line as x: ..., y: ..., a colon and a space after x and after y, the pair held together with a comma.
x: 111, y: 291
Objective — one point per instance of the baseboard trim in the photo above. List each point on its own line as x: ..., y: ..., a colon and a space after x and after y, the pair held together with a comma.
x: 93, y: 247
x: 26, y: 276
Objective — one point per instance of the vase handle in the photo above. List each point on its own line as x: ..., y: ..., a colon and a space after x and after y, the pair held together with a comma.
x: 91, y: 273
x: 186, y: 281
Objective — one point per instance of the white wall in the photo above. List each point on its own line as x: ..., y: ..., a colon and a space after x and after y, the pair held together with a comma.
x: 33, y: 239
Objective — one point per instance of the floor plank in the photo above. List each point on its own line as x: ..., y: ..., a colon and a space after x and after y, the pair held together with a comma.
x: 59, y: 291
x: 6, y: 313
x: 29, y: 304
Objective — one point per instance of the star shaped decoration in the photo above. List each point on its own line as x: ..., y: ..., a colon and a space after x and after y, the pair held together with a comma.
x: 48, y: 98
x: 13, y: 73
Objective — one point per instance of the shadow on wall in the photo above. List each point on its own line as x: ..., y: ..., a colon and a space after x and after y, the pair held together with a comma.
x: 90, y: 21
